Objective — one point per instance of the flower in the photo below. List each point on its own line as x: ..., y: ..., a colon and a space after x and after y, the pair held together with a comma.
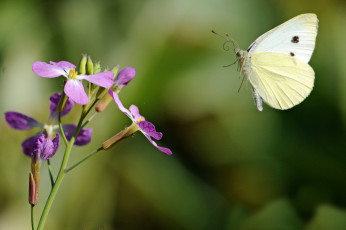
x: 73, y: 88
x: 44, y: 148
x: 139, y: 123
x: 124, y: 77
x: 21, y: 121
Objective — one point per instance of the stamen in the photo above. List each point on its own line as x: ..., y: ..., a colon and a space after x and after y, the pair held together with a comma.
x: 73, y: 74
x: 139, y: 119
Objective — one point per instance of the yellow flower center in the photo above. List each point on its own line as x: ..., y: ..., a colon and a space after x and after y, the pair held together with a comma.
x: 139, y: 119
x: 73, y: 74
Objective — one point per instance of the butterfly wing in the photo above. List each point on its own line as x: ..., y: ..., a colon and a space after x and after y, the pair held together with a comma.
x: 295, y: 37
x: 281, y: 80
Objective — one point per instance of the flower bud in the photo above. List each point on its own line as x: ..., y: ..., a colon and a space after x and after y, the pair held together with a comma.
x: 89, y: 66
x: 82, y: 64
x: 115, y: 71
x: 34, y: 180
x: 104, y: 97
x: 62, y: 102
x: 103, y: 103
x: 34, y: 184
x: 97, y: 67
x: 127, y: 132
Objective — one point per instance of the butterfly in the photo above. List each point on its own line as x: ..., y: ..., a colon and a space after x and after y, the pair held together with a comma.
x: 276, y: 63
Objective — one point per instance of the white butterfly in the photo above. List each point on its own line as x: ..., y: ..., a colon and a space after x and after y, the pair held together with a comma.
x: 276, y: 63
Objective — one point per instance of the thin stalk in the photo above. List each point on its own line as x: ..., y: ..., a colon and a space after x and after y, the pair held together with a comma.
x: 59, y: 178
x: 84, y: 159
x: 90, y: 118
x: 61, y: 129
x: 32, y: 217
x: 91, y: 106
x: 50, y: 173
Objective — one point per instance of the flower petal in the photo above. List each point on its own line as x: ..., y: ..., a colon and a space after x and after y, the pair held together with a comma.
x: 69, y: 130
x: 103, y: 79
x: 115, y: 97
x: 162, y: 149
x: 45, y: 148
x: 54, y: 102
x: 125, y: 76
x: 55, y: 145
x: 74, y: 89
x: 20, y: 121
x: 37, y: 148
x: 49, y: 70
x: 83, y: 137
x: 27, y: 145
x: 135, y: 112
x: 63, y: 64
x: 149, y: 129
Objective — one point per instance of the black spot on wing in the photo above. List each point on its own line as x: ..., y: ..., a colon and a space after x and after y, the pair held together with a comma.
x: 292, y: 54
x: 295, y: 39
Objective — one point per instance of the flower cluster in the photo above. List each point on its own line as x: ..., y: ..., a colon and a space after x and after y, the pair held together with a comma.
x: 73, y: 88
x: 21, y: 121
x: 102, y: 88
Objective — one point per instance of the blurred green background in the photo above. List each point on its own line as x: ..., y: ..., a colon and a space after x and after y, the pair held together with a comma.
x: 232, y: 168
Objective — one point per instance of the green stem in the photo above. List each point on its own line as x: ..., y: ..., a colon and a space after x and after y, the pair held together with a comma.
x: 50, y: 173
x: 90, y: 107
x: 32, y: 217
x: 90, y: 118
x: 61, y: 130
x: 59, y: 178
x: 84, y: 159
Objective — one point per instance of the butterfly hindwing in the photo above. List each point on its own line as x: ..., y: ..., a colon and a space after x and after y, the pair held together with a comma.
x: 282, y: 81
x: 295, y: 37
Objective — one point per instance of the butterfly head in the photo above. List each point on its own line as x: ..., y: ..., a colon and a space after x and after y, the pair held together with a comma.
x: 238, y: 52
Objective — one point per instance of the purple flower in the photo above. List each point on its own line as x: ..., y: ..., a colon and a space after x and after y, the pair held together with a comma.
x: 21, y: 121
x: 44, y: 148
x: 73, y: 88
x: 83, y: 137
x: 125, y: 76
x: 147, y: 128
x: 54, y: 102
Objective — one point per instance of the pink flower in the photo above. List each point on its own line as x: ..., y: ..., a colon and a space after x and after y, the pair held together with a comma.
x: 73, y: 88
x: 147, y: 128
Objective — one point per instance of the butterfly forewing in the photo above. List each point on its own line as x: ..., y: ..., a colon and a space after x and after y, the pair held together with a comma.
x: 295, y: 37
x: 281, y: 80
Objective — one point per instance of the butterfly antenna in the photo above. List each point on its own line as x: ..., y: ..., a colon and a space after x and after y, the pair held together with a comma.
x: 228, y: 39
x: 226, y: 46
